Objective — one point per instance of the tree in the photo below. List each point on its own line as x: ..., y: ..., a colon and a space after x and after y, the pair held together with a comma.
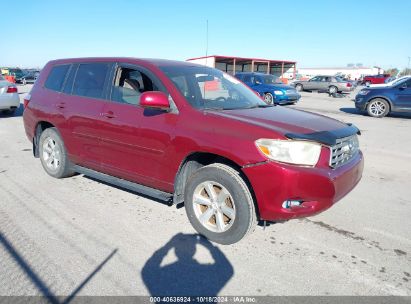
x: 404, y: 72
x: 392, y: 72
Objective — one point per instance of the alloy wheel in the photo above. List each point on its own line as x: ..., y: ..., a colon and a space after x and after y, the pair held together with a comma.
x: 51, y: 154
x: 214, y: 206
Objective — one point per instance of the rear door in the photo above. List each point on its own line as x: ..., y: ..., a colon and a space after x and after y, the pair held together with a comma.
x: 85, y: 95
x: 134, y: 139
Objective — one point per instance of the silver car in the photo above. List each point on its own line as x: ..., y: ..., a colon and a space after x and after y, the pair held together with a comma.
x: 9, y: 98
x: 330, y: 84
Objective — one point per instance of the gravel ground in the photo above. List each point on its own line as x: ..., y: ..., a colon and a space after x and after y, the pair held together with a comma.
x: 76, y: 236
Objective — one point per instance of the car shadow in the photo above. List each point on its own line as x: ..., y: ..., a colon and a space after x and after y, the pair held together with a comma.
x: 363, y: 113
x: 18, y: 113
x: 186, y: 276
x: 38, y: 282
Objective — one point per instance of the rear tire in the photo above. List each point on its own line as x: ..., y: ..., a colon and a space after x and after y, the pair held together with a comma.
x: 378, y: 108
x: 332, y: 90
x: 219, y: 204
x: 53, y: 155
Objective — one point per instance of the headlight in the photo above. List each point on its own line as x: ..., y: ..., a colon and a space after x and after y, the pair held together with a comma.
x: 290, y: 151
x: 363, y: 92
x: 277, y: 92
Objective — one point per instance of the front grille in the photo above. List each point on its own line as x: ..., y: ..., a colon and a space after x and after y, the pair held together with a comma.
x: 344, y: 150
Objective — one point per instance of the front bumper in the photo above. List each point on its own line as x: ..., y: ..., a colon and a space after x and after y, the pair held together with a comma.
x: 318, y: 188
x: 287, y: 98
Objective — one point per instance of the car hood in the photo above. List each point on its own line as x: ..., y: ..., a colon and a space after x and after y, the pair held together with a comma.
x: 285, y: 121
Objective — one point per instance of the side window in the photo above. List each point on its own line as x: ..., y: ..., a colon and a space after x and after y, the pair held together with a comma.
x: 258, y: 80
x: 68, y: 86
x: 328, y: 79
x: 56, y: 78
x: 408, y: 83
x: 317, y: 78
x: 90, y: 79
x: 129, y: 84
x: 248, y: 78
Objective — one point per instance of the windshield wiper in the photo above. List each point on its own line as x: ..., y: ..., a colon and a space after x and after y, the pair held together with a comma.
x: 260, y: 106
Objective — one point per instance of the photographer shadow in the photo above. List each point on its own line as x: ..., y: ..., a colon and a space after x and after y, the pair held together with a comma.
x: 186, y: 276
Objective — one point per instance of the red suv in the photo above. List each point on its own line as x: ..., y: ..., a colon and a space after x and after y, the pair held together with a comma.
x: 183, y: 132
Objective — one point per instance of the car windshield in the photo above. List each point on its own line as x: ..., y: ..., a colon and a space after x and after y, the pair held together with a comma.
x: 208, y: 88
x: 339, y: 79
x: 272, y: 80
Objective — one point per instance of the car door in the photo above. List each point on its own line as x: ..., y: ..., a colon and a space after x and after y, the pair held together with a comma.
x: 134, y: 140
x: 312, y: 84
x: 85, y: 94
x: 326, y: 82
x: 403, y: 95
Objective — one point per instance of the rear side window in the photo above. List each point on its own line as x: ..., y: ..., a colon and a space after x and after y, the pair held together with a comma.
x: 68, y: 86
x: 56, y: 78
x: 91, y: 79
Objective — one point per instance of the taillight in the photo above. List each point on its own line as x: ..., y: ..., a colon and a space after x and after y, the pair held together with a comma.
x: 27, y: 100
x: 349, y: 84
x: 11, y: 90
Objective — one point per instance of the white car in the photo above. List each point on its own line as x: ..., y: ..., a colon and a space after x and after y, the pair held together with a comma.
x: 391, y: 83
x: 9, y: 98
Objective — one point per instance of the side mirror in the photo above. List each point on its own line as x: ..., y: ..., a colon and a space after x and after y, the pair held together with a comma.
x: 155, y: 100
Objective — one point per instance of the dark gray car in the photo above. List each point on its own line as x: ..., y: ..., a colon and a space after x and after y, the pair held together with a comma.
x: 330, y: 84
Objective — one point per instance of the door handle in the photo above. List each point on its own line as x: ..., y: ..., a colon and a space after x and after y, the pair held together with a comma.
x: 108, y: 114
x: 61, y: 105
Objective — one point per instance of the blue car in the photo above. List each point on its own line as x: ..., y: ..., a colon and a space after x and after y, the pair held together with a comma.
x: 379, y: 101
x: 270, y: 87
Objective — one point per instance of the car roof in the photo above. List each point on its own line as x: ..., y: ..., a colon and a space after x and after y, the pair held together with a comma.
x: 147, y: 61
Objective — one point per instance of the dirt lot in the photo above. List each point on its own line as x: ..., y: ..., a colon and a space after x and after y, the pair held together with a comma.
x: 77, y: 236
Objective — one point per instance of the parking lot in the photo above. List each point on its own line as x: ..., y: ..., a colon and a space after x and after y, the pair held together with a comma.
x: 77, y: 236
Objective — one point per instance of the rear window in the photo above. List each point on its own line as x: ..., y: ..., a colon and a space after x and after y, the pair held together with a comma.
x: 90, y: 80
x: 55, y: 80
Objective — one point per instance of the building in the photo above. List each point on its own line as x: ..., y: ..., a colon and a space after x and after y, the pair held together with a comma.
x: 232, y: 65
x: 354, y: 72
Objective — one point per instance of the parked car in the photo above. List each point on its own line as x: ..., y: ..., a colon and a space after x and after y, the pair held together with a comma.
x: 191, y: 134
x: 30, y: 77
x: 9, y: 97
x: 270, y: 87
x: 380, y: 101
x: 375, y: 79
x: 390, y: 83
x: 16, y: 73
x: 331, y: 84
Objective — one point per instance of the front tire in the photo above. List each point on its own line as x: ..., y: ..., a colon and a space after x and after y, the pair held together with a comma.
x: 53, y: 155
x: 219, y: 204
x: 378, y: 108
x: 269, y: 98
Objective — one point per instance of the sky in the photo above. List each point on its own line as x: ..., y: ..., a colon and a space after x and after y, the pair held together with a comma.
x: 313, y: 33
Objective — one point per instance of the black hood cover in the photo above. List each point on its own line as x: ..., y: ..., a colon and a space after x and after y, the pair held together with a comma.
x: 327, y: 137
